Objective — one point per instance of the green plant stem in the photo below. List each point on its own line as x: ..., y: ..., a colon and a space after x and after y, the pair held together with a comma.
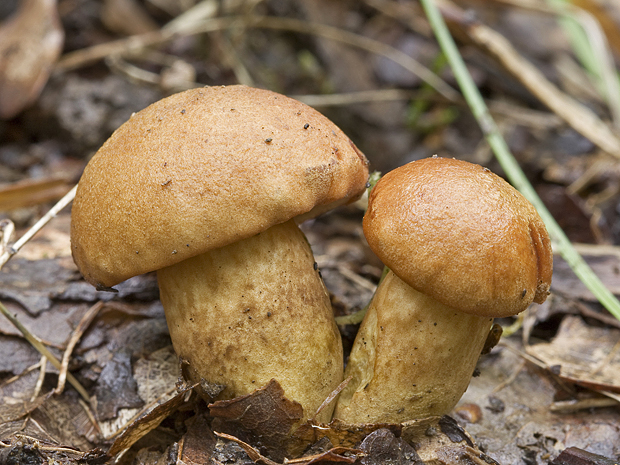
x: 508, y: 163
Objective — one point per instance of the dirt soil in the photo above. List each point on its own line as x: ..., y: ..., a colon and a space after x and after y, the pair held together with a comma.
x: 552, y: 384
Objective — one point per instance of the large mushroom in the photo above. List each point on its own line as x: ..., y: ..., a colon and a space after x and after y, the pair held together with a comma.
x: 463, y: 247
x: 206, y: 187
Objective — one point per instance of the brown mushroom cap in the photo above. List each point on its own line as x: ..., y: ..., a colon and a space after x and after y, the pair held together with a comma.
x: 455, y: 231
x: 202, y: 169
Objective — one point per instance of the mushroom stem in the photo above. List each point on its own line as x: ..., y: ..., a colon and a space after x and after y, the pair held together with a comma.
x: 253, y: 311
x: 413, y: 357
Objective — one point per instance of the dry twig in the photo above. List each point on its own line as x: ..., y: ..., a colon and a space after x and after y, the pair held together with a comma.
x: 12, y: 250
x: 85, y: 322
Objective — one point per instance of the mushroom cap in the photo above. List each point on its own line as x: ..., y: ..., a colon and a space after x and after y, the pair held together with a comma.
x: 202, y: 169
x: 459, y: 233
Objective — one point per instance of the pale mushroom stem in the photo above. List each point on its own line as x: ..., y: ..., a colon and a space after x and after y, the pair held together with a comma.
x: 413, y: 357
x: 253, y: 311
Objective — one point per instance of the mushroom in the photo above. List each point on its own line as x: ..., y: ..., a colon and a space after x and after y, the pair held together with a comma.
x: 206, y: 187
x: 463, y: 247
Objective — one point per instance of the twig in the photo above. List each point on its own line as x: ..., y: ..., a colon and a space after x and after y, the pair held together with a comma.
x: 12, y: 250
x: 330, y: 398
x: 508, y: 381
x: 589, y: 43
x: 578, y: 116
x: 350, y: 98
x: 36, y: 343
x: 365, y: 43
x: 90, y: 55
x: 355, y: 278
x: 510, y: 166
x: 91, y: 417
x: 85, y: 322
x: 569, y: 406
x: 604, y: 318
x: 146, y: 408
x: 7, y: 228
x: 23, y: 373
x: 235, y: 63
x: 40, y: 379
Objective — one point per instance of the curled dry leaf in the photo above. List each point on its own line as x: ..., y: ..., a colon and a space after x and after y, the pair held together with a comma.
x: 147, y: 422
x: 263, y: 417
x: 30, y: 43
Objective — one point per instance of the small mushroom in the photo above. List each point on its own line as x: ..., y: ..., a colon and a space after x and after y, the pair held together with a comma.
x: 188, y: 187
x: 463, y: 247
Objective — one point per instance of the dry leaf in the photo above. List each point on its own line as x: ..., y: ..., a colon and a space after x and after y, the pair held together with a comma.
x: 30, y: 43
x: 381, y: 446
x: 576, y: 456
x: 264, y: 417
x: 127, y: 17
x: 116, y: 387
x: 578, y: 116
x: 605, y: 265
x: 31, y: 192
x: 147, y: 422
x: 462, y: 455
x: 582, y: 354
x: 12, y: 409
x: 196, y: 446
x: 331, y: 456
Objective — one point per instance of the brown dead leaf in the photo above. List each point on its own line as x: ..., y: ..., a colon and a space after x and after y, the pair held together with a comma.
x: 252, y: 452
x: 582, y: 354
x: 196, y: 446
x: 264, y: 417
x: 577, y: 456
x: 12, y: 409
x: 29, y: 192
x: 62, y: 419
x: 381, y: 446
x: 334, y: 455
x: 605, y: 265
x: 155, y: 373
x: 34, y: 284
x: 346, y: 435
x: 428, y: 436
x: 147, y: 422
x: 30, y: 43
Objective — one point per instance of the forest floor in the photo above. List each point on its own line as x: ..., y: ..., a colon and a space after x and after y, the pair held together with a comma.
x: 552, y: 384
